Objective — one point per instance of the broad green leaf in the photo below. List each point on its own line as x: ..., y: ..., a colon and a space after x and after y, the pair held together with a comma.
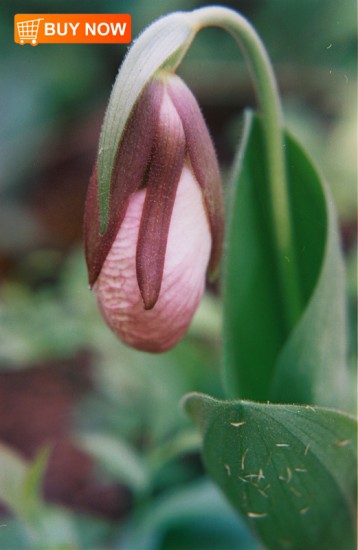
x: 312, y: 365
x: 289, y: 470
x: 262, y: 359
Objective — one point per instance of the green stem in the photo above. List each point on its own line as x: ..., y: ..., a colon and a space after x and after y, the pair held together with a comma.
x: 269, y: 103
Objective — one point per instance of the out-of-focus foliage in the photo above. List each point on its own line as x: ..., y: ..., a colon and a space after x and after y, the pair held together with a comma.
x: 52, y: 99
x: 135, y: 396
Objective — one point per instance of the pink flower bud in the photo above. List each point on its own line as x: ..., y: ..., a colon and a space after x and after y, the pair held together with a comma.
x: 165, y: 220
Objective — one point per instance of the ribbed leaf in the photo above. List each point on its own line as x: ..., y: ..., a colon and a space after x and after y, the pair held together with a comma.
x: 262, y: 360
x: 289, y: 470
x: 312, y: 366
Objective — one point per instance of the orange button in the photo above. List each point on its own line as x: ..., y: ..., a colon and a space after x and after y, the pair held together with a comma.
x: 71, y: 28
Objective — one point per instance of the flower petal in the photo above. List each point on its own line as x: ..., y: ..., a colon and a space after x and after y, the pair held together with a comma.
x: 183, y: 282
x: 128, y: 174
x: 203, y: 160
x: 164, y: 173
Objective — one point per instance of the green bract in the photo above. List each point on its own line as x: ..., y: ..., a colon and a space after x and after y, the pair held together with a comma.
x: 161, y: 44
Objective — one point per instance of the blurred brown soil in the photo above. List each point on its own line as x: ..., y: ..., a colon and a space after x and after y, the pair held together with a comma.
x: 36, y: 409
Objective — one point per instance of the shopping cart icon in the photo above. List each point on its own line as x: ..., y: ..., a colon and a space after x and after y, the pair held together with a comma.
x: 28, y: 31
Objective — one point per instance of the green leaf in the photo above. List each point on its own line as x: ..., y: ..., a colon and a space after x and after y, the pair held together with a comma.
x: 42, y: 526
x: 20, y: 482
x: 12, y: 475
x: 192, y: 517
x: 289, y: 470
x: 119, y: 459
x: 31, y: 490
x: 262, y: 360
x: 54, y: 529
x: 312, y: 365
x: 186, y: 441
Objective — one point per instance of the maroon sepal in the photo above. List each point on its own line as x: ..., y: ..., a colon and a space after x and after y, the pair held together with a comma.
x: 129, y: 170
x: 203, y: 159
x: 165, y: 168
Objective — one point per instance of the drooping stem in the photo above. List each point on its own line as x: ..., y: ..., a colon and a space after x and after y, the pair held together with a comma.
x: 270, y: 107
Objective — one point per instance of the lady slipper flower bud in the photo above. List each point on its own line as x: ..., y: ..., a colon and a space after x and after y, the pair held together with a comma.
x: 165, y: 221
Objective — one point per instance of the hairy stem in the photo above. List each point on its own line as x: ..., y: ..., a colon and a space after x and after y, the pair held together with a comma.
x: 269, y: 103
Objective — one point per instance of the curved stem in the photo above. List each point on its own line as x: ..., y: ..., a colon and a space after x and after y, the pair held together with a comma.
x: 269, y: 103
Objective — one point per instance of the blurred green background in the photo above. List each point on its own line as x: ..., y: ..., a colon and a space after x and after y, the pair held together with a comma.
x: 122, y: 467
